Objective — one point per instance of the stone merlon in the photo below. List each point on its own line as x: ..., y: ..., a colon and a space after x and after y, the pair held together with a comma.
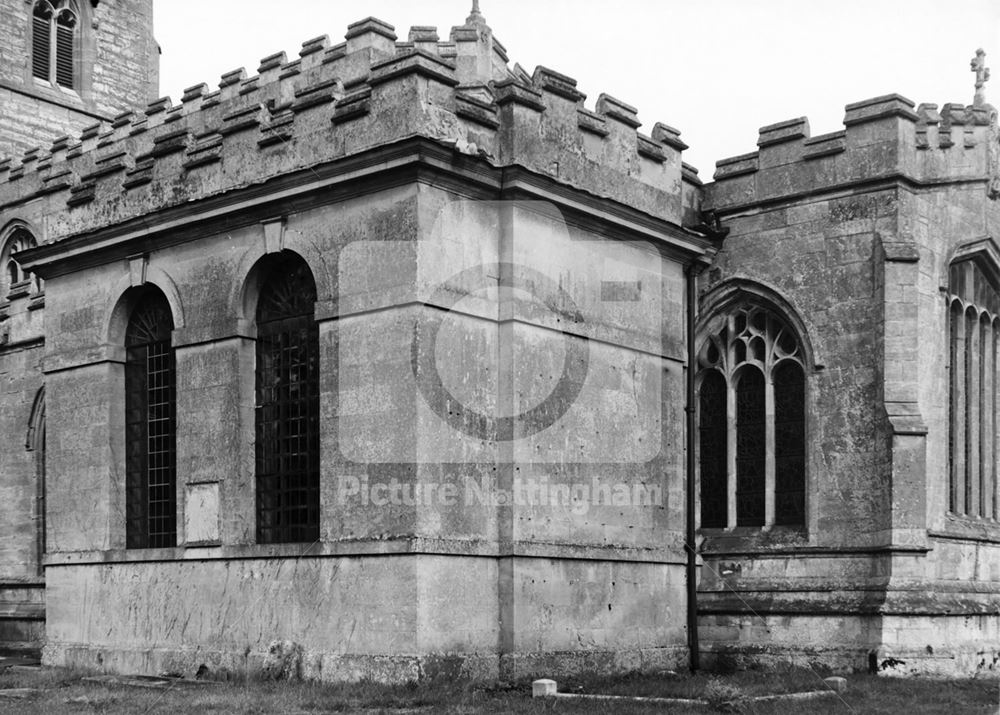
x: 883, y: 138
x: 335, y: 101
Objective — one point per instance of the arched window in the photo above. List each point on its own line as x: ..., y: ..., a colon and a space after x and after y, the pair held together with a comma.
x: 54, y: 42
x: 751, y: 405
x: 14, y: 279
x: 150, y: 429
x: 287, y: 404
x: 973, y: 332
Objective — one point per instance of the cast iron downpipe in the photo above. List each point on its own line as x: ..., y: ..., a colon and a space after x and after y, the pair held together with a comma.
x: 689, y: 537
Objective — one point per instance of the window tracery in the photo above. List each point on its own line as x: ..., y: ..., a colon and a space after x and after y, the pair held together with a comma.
x: 751, y: 403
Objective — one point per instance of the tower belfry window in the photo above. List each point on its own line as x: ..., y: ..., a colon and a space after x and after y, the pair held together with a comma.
x: 54, y: 42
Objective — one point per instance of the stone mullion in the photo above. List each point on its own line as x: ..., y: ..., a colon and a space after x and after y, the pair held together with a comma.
x: 769, y: 476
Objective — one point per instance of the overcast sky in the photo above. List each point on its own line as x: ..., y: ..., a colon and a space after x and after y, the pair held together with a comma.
x: 715, y: 69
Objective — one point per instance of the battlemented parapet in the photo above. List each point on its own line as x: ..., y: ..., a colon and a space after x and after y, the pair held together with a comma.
x: 334, y: 101
x: 864, y: 238
x: 883, y: 138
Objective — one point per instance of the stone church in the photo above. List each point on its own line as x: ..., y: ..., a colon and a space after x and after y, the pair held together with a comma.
x: 396, y: 361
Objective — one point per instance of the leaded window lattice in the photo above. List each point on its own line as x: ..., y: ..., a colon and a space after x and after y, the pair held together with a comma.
x: 712, y: 447
x: 287, y: 406
x: 150, y: 426
x: 973, y: 335
x: 752, y: 427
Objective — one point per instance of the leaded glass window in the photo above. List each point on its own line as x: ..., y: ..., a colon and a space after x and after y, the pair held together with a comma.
x: 287, y: 405
x: 973, y: 333
x: 752, y: 428
x: 712, y: 446
x: 150, y: 426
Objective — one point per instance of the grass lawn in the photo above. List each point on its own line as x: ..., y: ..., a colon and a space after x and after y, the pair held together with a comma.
x: 61, y: 691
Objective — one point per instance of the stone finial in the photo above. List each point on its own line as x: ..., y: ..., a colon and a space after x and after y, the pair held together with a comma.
x: 978, y: 65
x: 475, y: 17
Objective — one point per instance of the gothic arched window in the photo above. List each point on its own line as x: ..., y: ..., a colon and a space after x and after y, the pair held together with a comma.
x: 974, y: 329
x: 150, y: 426
x: 15, y: 280
x: 54, y: 42
x: 751, y: 422
x: 287, y: 404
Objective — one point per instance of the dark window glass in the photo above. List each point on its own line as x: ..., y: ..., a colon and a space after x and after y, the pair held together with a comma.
x: 287, y: 405
x: 712, y: 438
x: 151, y: 485
x: 750, y: 447
x: 789, y: 444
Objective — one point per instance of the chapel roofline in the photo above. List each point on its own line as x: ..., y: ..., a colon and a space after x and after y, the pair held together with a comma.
x: 337, y: 99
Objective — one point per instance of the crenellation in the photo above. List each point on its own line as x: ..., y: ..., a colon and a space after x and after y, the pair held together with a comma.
x: 666, y: 134
x: 277, y: 127
x: 335, y: 53
x: 883, y: 136
x: 478, y: 111
x: 371, y: 36
x: 342, y: 84
x: 318, y: 94
x: 618, y: 110
x: 205, y: 149
x: 230, y: 83
x: 823, y: 145
x: 417, y: 62
x: 56, y: 181
x: 160, y: 105
x: 557, y: 84
x: 781, y: 132
x: 355, y: 103
x: 249, y: 86
x: 423, y: 37
x: 509, y: 91
x: 651, y: 149
x: 313, y: 50
x: 592, y: 122
x: 243, y: 118
x: 290, y: 69
x: 210, y: 100
x: 193, y: 94
x: 448, y: 50
x: 271, y: 64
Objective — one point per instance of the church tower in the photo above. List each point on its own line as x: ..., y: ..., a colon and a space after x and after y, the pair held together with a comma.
x: 66, y: 64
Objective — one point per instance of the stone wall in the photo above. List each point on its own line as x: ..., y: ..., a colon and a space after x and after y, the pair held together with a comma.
x: 855, y: 230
